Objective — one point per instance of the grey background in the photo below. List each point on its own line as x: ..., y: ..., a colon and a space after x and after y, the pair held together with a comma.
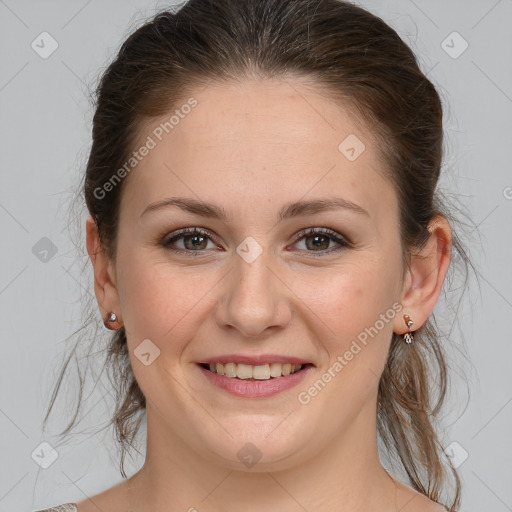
x: 45, y: 122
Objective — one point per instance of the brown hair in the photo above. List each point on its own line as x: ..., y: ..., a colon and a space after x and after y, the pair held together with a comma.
x: 361, y: 61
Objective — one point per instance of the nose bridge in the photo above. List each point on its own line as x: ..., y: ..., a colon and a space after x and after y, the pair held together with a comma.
x: 253, y: 297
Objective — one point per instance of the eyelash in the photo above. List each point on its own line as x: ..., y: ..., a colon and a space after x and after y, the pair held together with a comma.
x: 326, y: 232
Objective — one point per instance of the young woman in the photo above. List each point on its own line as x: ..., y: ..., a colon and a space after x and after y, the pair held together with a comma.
x: 268, y: 245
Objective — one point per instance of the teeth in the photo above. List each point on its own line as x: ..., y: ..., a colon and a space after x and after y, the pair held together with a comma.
x: 230, y: 369
x: 275, y: 370
x: 259, y: 372
x: 243, y: 371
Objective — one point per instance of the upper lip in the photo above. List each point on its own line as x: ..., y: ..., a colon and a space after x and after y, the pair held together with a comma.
x: 254, y: 360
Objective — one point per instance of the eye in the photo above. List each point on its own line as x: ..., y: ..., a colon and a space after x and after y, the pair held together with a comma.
x: 194, y: 241
x: 320, y: 238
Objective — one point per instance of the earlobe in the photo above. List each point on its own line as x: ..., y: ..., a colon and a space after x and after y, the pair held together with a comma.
x: 428, y: 268
x: 105, y: 287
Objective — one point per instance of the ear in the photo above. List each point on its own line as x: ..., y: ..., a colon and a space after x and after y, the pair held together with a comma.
x: 425, y: 277
x: 105, y: 286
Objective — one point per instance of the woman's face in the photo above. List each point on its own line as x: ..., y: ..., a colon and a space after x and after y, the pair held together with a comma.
x: 248, y: 286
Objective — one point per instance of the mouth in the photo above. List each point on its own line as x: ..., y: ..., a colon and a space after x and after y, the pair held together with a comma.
x: 254, y: 372
x: 248, y: 381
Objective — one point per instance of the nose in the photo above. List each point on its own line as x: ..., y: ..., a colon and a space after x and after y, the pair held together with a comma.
x: 255, y: 299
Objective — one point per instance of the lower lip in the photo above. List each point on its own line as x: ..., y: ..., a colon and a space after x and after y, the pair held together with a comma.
x: 247, y: 388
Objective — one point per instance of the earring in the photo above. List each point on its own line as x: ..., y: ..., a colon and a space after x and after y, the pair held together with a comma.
x: 111, y: 319
x: 408, y: 337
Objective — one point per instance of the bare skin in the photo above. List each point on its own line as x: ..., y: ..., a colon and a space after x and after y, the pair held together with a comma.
x: 251, y: 148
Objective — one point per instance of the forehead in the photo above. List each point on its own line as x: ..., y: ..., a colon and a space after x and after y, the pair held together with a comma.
x: 258, y: 143
x: 264, y: 113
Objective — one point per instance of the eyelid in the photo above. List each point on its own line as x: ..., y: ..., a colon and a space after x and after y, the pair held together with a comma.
x: 334, y: 235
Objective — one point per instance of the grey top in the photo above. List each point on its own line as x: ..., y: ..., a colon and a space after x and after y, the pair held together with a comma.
x: 66, y: 507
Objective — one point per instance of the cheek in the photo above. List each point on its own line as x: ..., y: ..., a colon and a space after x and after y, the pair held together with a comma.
x: 354, y: 305
x: 158, y: 299
x: 349, y: 298
x: 160, y: 303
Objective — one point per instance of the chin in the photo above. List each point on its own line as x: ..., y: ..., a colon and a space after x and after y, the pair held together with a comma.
x: 259, y: 445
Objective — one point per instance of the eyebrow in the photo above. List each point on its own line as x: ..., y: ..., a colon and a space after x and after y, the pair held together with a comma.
x: 289, y: 210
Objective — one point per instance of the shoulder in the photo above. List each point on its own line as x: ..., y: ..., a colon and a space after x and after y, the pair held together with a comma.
x: 409, y: 500
x: 66, y: 507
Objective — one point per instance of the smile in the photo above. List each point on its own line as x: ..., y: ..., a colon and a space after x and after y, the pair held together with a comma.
x: 259, y: 381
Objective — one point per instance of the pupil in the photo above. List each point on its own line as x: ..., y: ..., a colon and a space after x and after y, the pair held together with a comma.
x: 196, y: 240
x: 316, y: 242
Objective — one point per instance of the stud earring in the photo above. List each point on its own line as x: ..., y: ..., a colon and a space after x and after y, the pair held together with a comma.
x: 111, y: 319
x: 408, y: 337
